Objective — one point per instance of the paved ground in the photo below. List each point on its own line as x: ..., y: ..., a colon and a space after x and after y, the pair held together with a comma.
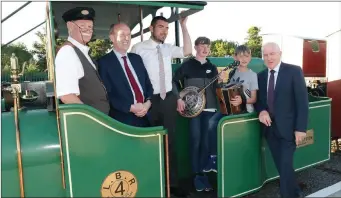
x: 314, y: 179
x: 337, y: 194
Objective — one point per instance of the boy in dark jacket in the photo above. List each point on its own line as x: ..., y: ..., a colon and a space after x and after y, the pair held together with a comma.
x: 199, y: 71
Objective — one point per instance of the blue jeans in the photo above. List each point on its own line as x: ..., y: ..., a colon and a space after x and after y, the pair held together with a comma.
x: 212, y: 130
x: 199, y: 140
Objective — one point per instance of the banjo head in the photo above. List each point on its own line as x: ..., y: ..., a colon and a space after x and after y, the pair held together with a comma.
x: 194, y: 101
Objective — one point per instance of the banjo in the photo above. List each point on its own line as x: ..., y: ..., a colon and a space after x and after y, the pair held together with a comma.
x: 194, y: 97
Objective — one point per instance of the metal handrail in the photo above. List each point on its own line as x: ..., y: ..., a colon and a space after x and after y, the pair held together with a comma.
x: 15, y: 11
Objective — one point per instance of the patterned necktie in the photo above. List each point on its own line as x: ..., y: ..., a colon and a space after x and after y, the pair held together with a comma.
x: 161, y: 74
x: 137, y: 91
x: 271, y: 91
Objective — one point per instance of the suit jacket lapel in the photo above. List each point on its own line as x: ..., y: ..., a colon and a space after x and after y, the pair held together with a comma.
x: 116, y: 66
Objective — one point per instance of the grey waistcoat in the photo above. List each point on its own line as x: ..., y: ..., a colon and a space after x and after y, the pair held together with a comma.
x: 92, y: 91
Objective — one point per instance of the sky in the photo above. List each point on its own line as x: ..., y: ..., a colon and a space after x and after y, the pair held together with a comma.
x: 219, y: 20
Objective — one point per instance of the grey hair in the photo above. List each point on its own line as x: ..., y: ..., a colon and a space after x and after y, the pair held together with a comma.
x: 273, y: 44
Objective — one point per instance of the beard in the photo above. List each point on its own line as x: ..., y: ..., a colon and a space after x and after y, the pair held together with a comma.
x: 155, y: 38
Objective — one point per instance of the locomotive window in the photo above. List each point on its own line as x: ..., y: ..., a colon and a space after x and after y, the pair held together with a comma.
x: 315, y: 46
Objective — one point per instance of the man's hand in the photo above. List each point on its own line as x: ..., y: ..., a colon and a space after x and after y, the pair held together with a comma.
x: 299, y: 137
x: 221, y: 77
x: 264, y: 118
x: 183, y: 20
x: 136, y: 107
x: 144, y: 110
x: 180, y: 105
x: 236, y: 101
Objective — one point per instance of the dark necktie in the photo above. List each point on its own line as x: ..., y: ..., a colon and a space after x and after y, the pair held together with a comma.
x: 271, y: 91
x: 138, y: 94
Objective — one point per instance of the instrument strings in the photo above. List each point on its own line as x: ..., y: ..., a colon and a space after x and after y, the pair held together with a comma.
x: 234, y: 64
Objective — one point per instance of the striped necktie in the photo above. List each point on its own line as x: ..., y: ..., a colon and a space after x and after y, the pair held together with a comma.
x: 161, y: 74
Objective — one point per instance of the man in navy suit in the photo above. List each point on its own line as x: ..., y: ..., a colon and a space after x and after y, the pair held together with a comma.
x: 283, y: 109
x: 126, y: 80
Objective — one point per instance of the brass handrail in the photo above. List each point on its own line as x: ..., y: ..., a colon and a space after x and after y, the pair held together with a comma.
x: 51, y: 77
x: 16, y: 89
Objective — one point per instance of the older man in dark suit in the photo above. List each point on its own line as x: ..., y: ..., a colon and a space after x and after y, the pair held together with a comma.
x: 283, y: 111
x: 126, y: 80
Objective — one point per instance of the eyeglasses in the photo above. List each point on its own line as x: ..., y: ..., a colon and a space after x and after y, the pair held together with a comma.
x: 82, y: 29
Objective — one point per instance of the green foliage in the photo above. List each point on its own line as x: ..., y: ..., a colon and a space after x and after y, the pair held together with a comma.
x: 99, y: 47
x: 32, y: 68
x: 39, y: 49
x: 254, y: 41
x: 222, y: 48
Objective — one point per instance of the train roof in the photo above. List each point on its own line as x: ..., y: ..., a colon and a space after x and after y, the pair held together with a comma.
x: 129, y: 11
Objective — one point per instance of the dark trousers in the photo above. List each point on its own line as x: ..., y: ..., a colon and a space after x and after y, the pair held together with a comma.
x: 199, y: 140
x: 212, y: 130
x: 283, y: 153
x: 163, y: 113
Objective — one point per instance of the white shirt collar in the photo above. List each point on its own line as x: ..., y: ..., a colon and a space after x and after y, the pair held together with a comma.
x: 154, y: 43
x: 82, y: 47
x: 119, y: 55
x: 276, y: 68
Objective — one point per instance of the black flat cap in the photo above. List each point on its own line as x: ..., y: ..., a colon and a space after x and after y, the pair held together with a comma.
x: 79, y: 13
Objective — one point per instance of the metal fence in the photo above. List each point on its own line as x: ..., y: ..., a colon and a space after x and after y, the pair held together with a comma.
x: 33, y: 77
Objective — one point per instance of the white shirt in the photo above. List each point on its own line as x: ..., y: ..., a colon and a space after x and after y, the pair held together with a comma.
x: 120, y: 59
x: 275, y: 75
x: 69, y: 68
x: 148, y: 51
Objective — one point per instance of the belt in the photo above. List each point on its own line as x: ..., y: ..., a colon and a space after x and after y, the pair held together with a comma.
x: 167, y: 94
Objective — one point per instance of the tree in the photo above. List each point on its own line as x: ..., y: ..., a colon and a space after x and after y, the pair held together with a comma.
x: 222, y: 48
x: 254, y: 41
x: 99, y: 47
x: 20, y: 51
x: 39, y: 49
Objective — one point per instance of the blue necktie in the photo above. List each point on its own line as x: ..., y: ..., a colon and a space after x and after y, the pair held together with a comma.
x: 271, y: 91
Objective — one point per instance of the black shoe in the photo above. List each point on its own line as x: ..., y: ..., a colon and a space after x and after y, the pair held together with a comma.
x: 178, y: 192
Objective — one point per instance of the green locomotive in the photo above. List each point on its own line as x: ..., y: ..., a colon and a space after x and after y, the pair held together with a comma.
x: 54, y: 150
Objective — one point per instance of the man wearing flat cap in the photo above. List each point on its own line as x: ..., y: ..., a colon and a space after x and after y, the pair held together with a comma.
x: 77, y: 79
x: 199, y: 71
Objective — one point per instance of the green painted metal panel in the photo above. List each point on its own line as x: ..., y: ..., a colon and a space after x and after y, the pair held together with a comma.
x: 188, y: 4
x: 95, y: 146
x: 256, y: 64
x: 239, y: 156
x: 40, y: 155
x: 182, y: 124
x: 244, y: 160
x: 3, y: 104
